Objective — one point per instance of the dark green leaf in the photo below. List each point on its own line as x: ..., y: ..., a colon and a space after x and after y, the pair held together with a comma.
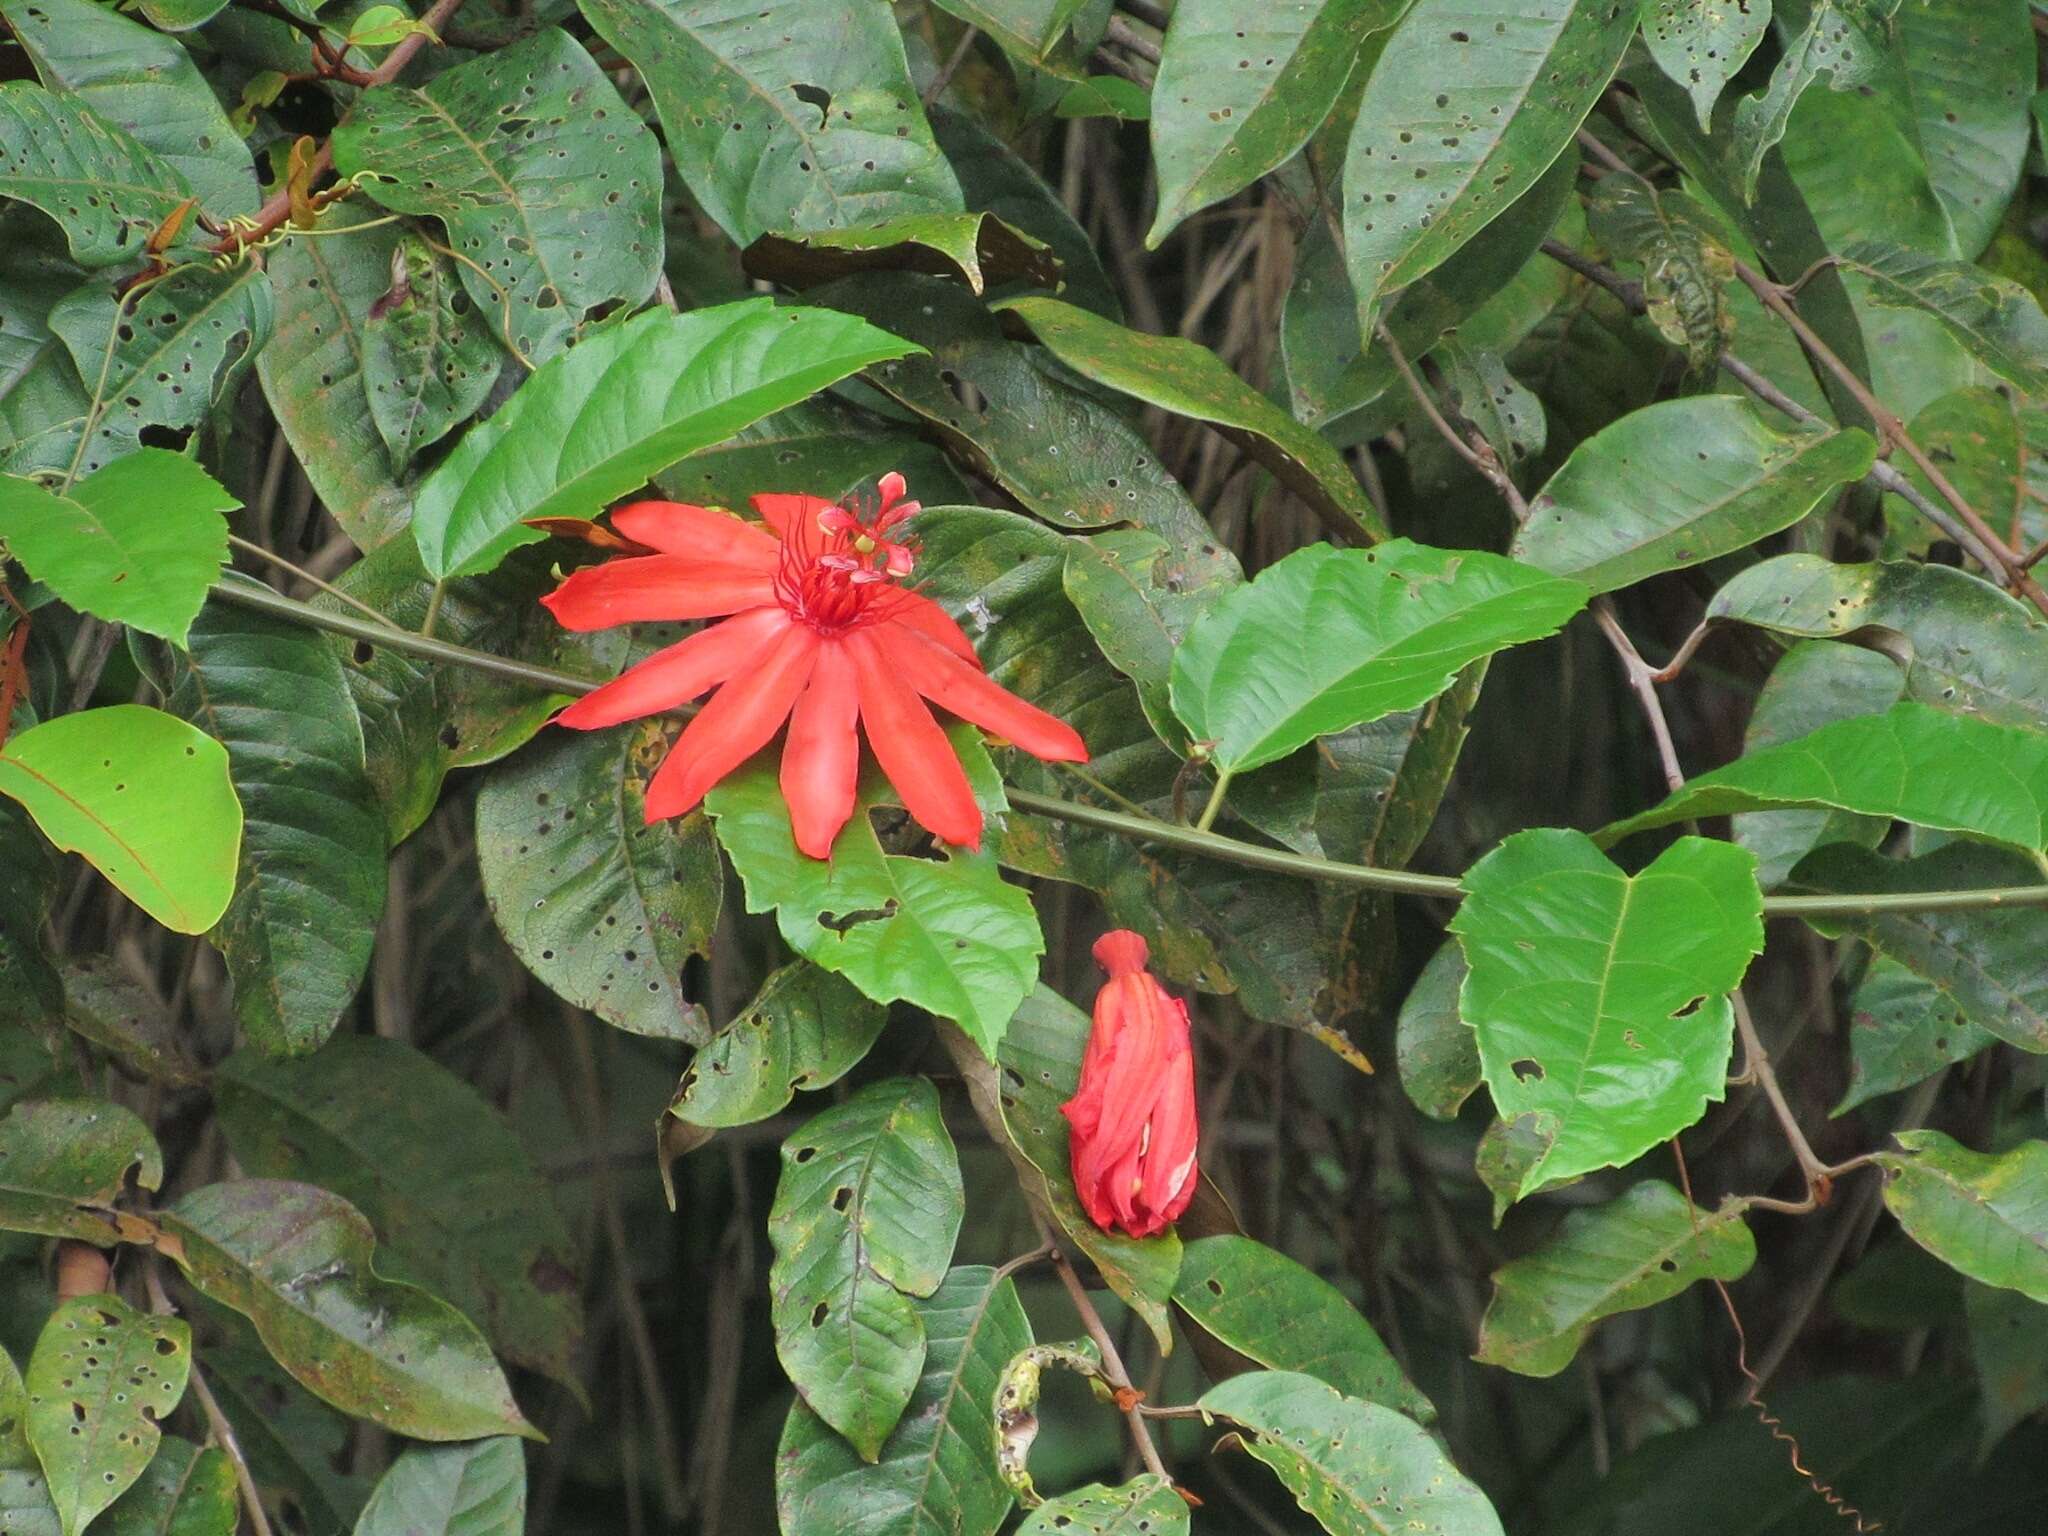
x: 804, y: 1029
x: 978, y: 249
x: 477, y: 1489
x: 1902, y: 1030
x: 31, y: 992
x: 1599, y: 998
x: 1145, y: 1506
x: 547, y: 181
x: 1701, y: 44
x: 1994, y: 319
x: 1849, y: 41
x: 64, y: 1162
x: 1970, y: 64
x: 106, y: 190
x: 184, y: 1491
x: 429, y: 355
x: 437, y: 1170
x: 1436, y: 1050
x: 106, y: 1005
x: 42, y: 399
x: 2009, y: 1345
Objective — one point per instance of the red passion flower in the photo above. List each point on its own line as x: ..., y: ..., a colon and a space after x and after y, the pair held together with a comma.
x: 1133, y: 1114
x: 818, y: 630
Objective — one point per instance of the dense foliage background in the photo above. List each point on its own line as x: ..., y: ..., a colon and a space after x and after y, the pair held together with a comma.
x: 398, y: 1136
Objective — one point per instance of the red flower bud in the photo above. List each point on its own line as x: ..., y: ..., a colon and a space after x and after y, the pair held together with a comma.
x: 1133, y: 1115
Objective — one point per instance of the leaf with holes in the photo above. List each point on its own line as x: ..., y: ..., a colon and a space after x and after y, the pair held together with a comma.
x: 937, y: 1472
x: 477, y: 1489
x: 382, y: 1125
x: 1436, y: 1050
x: 1145, y: 1506
x: 106, y: 189
x: 1702, y: 44
x: 101, y: 1379
x: 1970, y: 67
x: 143, y: 797
x: 1327, y: 639
x: 1678, y: 483
x: 1600, y: 999
x: 184, y: 1491
x: 865, y: 1215
x: 1998, y: 322
x: 1902, y: 1030
x: 1358, y: 1468
x: 105, y: 1004
x: 296, y: 1261
x: 1288, y: 1318
x: 600, y: 905
x: 593, y: 424
x: 979, y: 249
x: 1641, y: 1248
x: 1849, y: 41
x: 64, y: 1162
x: 137, y: 543
x: 1470, y: 103
x: 1986, y: 1215
x: 429, y: 355
x: 1190, y: 380
x: 1239, y: 91
x: 805, y: 1028
x: 1040, y: 1067
x: 547, y: 181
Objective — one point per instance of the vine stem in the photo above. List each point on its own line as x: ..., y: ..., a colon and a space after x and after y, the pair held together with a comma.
x: 1140, y: 828
x: 217, y: 1422
x: 1113, y: 1370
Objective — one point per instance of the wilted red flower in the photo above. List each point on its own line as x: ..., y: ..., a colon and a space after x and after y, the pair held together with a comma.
x: 820, y: 633
x: 1133, y: 1114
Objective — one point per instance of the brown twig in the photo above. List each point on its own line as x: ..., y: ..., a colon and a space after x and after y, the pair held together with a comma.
x: 222, y: 1431
x: 1475, y: 451
x: 951, y: 67
x: 1113, y: 1370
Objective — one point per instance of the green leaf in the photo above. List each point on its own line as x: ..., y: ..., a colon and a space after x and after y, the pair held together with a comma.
x: 168, y: 359
x: 1970, y: 66
x: 976, y: 248
x: 293, y: 1442
x: 42, y: 399
x: 2009, y: 1347
x: 106, y: 190
x: 1995, y: 320
x: 429, y: 355
x: 1911, y: 763
x: 14, y: 1451
x: 31, y: 991
x: 1145, y: 1506
x: 477, y: 1489
x: 1849, y: 41
x: 1600, y: 998
x: 102, y: 1377
x: 296, y: 1261
x: 552, y: 190
x: 1106, y: 96
x: 1471, y: 102
x: 1643, y: 1247
x: 1903, y: 1030
x: 143, y: 797
x: 1327, y: 639
x: 865, y: 1216
x: 382, y: 25
x: 310, y: 879
x: 937, y: 1472
x: 1678, y: 483
x: 184, y: 1491
x: 315, y: 370
x: 25, y: 1505
x: 1287, y: 1318
x: 1028, y: 29
x: 634, y: 398
x: 138, y: 543
x: 143, y: 83
x: 1358, y: 1468
x: 1508, y: 415
x: 1975, y: 436
x: 64, y: 1162
x: 948, y: 934
x: 1701, y: 44
x: 603, y: 907
x: 805, y: 1028
x: 1986, y: 1215
x: 780, y: 118
x: 1436, y: 1050
x: 1190, y: 380
x: 452, y: 1193
x: 821, y: 447
x: 1235, y: 100
x: 1507, y: 1152
x: 1040, y: 1068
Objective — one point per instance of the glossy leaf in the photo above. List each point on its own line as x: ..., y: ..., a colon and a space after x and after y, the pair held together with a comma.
x: 473, y: 1489
x: 1040, y: 1067
x: 388, y: 1130
x: 184, y: 1491
x: 603, y: 907
x: 1358, y: 1468
x: 1599, y: 998
x: 546, y: 180
x: 1678, y: 483
x: 64, y: 1162
x: 865, y: 1215
x: 1287, y: 1318
x: 1327, y: 639
x: 593, y: 424
x: 1995, y: 320
x: 977, y: 248
x: 1436, y: 1049
x: 145, y: 798
x: 1145, y: 1506
x: 1701, y: 44
x: 310, y: 881
x: 1986, y: 1215
x: 296, y: 1261
x: 106, y: 189
x: 1190, y: 380
x: 781, y: 117
x: 937, y: 1472
x: 102, y: 1377
x: 429, y: 353
x: 805, y: 1028
x: 1846, y: 40
x: 1470, y: 102
x: 1902, y: 1030
x: 1238, y: 92
x: 1641, y: 1248
x: 137, y: 543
